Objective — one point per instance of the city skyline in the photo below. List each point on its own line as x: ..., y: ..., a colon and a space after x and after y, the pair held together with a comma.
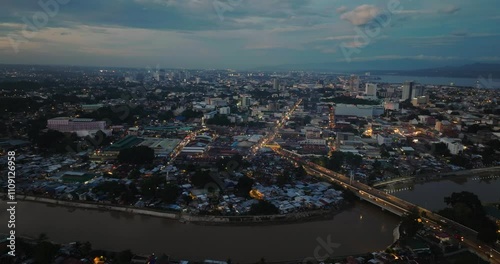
x: 246, y: 35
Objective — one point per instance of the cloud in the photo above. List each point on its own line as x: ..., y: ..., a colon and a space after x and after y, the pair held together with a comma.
x: 343, y: 37
x: 460, y: 33
x: 327, y: 50
x: 451, y: 9
x: 430, y: 41
x: 341, y: 9
x: 354, y: 44
x: 361, y: 15
x: 414, y: 12
x: 253, y: 32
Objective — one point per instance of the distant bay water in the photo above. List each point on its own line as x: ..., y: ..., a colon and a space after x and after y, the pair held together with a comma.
x: 481, y: 81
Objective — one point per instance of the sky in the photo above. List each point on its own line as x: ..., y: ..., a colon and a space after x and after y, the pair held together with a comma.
x: 247, y: 34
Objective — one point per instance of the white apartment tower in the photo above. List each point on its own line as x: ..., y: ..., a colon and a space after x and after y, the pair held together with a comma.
x: 371, y: 89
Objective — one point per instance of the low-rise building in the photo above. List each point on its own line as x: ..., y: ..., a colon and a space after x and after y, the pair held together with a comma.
x: 454, y: 145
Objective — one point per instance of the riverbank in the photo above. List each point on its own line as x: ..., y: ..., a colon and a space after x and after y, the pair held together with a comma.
x: 76, y: 248
x: 293, y: 218
x: 442, y: 176
x: 195, y: 219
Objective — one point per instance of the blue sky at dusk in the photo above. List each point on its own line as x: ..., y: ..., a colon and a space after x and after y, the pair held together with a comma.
x: 245, y: 34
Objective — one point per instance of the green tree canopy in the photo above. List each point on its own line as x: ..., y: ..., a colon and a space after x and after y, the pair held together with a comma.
x: 264, y: 208
x: 467, y: 209
x: 219, y: 120
x: 201, y: 178
x: 244, y: 186
x: 410, y: 224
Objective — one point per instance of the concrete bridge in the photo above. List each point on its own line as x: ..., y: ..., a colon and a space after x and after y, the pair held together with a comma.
x: 394, y: 204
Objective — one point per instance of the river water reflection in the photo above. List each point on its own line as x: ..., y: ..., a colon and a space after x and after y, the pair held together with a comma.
x: 431, y: 194
x: 360, y: 229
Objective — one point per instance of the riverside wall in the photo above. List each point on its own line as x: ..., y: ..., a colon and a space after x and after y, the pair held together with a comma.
x: 100, y: 206
x: 186, y: 217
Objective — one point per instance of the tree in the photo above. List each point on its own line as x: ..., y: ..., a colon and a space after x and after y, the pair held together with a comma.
x: 307, y: 120
x: 166, y: 115
x: 124, y: 257
x: 467, y: 199
x: 462, y: 161
x: 137, y: 155
x: 56, y: 141
x: 187, y: 199
x: 384, y: 153
x: 467, y: 209
x: 487, y: 231
x: 300, y: 172
x: 149, y: 186
x: 410, y: 223
x: 134, y: 174
x: 338, y: 159
x: 100, y: 139
x: 283, y: 179
x: 264, y: 207
x: 170, y: 193
x: 353, y: 160
x: 244, y: 186
x: 425, y: 112
x: 230, y: 163
x: 26, y: 247
x: 473, y: 128
x: 85, y: 249
x: 113, y: 188
x: 219, y: 120
x: 201, y: 178
x: 189, y: 113
x: 440, y: 149
x: 45, y: 251
x: 35, y: 126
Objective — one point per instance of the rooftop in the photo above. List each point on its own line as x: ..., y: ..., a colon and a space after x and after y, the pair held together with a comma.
x: 127, y: 142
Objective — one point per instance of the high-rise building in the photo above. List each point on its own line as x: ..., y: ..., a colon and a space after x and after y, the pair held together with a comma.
x: 276, y: 84
x: 371, y: 89
x: 354, y: 83
x: 246, y: 101
x: 417, y: 91
x: 407, y: 90
x: 225, y: 110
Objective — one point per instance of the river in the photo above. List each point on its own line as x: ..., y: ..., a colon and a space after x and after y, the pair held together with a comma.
x: 362, y: 228
x: 431, y: 194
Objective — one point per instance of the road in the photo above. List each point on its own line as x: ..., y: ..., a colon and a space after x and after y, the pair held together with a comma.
x: 183, y: 143
x: 274, y: 131
x: 395, y: 205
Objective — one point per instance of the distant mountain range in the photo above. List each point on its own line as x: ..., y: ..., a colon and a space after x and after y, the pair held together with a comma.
x: 473, y: 70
